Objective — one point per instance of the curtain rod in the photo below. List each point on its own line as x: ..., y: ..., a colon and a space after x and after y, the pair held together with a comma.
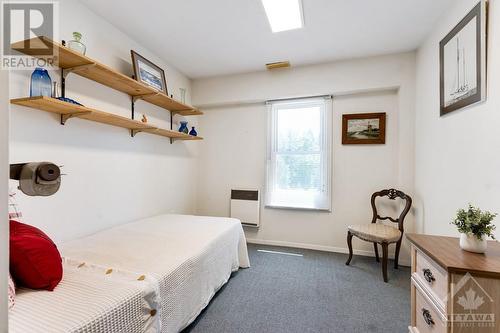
x: 263, y: 101
x: 330, y: 96
x: 255, y: 102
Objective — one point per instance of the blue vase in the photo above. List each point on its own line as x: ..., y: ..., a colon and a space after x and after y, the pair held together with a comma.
x: 41, y: 84
x: 184, y: 127
x: 193, y: 132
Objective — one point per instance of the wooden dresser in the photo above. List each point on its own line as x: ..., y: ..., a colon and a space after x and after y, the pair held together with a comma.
x: 453, y: 291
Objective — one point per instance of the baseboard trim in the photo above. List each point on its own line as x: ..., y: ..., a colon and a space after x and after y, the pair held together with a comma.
x: 334, y: 249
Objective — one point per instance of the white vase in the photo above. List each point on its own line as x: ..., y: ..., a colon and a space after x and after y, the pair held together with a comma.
x: 471, y: 243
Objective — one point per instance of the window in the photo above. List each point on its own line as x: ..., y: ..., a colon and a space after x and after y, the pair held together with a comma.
x: 299, y: 154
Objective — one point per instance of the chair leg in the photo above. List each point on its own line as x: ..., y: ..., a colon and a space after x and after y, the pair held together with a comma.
x: 375, y: 246
x: 384, y: 260
x: 396, y: 255
x: 349, y: 244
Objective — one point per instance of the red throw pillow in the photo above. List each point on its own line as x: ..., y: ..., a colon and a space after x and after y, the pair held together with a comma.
x: 35, y: 261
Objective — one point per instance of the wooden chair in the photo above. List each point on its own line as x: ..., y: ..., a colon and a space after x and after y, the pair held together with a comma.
x: 378, y: 233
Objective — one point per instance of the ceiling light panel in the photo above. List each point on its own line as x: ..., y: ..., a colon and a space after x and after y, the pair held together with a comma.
x: 284, y: 15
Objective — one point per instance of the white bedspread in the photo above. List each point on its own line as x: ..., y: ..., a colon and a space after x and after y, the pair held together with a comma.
x: 182, y: 261
x: 81, y: 303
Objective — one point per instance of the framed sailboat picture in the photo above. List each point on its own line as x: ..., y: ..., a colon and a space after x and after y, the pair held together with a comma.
x: 462, y: 55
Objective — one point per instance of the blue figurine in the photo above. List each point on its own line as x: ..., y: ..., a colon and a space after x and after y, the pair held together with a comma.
x: 184, y: 128
x: 193, y: 132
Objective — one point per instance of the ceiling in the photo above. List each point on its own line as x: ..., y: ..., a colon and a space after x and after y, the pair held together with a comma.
x: 217, y: 37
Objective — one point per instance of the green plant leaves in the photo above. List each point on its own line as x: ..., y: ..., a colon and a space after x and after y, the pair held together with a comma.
x: 473, y: 220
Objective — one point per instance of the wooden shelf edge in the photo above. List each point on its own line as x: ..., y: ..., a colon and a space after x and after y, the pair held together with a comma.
x: 189, y: 138
x: 172, y: 134
x: 166, y: 102
x: 49, y: 104
x: 69, y: 110
x: 98, y: 72
x: 194, y: 112
x: 79, y: 59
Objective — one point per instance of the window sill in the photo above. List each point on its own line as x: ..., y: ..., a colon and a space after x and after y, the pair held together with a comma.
x: 324, y: 210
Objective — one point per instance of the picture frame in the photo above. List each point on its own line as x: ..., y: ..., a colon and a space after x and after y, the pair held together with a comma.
x: 363, y: 128
x: 148, y: 73
x: 462, y: 62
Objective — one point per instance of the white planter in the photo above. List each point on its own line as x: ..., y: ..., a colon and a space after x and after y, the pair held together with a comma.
x: 471, y: 243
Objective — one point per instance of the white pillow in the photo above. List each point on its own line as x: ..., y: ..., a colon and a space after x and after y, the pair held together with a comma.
x: 12, y: 292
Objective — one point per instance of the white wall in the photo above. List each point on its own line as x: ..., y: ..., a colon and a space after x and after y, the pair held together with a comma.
x: 235, y: 154
x: 111, y: 177
x: 4, y: 225
x: 457, y: 156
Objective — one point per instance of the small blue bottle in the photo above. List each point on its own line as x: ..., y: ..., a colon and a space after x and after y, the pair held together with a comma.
x: 193, y: 132
x: 184, y: 128
x: 41, y: 84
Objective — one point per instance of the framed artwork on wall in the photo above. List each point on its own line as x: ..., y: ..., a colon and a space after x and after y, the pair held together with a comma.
x: 363, y: 128
x: 462, y: 58
x: 147, y: 72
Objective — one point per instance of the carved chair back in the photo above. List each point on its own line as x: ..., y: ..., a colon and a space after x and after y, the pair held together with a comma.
x: 392, y: 194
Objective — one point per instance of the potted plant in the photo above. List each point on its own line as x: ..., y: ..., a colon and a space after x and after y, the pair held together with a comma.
x: 474, y: 226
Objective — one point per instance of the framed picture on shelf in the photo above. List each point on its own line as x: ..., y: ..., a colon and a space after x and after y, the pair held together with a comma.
x: 363, y: 128
x: 462, y: 58
x: 147, y: 72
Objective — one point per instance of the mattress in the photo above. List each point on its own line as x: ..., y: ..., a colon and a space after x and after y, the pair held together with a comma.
x: 181, y: 261
x: 82, y: 303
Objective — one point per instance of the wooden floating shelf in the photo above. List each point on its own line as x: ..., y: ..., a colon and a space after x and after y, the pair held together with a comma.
x: 77, y: 63
x: 171, y: 134
x: 165, y: 102
x: 69, y: 110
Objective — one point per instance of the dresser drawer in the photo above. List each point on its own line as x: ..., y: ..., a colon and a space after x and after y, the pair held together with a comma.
x: 428, y: 319
x: 432, y: 277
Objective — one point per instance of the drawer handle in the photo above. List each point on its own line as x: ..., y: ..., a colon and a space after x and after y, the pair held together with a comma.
x: 427, y: 317
x: 428, y: 275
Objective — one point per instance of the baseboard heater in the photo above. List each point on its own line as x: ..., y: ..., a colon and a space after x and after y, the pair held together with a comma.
x: 245, y: 206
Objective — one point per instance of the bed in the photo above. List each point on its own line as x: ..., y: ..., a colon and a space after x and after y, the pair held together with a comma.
x: 82, y: 302
x: 176, y: 263
x: 183, y: 260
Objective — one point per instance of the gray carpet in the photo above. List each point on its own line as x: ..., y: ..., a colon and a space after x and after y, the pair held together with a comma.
x: 313, y: 293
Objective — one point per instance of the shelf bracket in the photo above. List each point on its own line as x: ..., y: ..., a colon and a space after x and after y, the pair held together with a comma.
x: 138, y: 97
x: 63, y: 84
x: 175, y: 112
x: 66, y: 71
x: 171, y: 125
x: 133, y: 132
x: 180, y: 111
x: 132, y: 107
x: 134, y: 99
x: 65, y: 117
